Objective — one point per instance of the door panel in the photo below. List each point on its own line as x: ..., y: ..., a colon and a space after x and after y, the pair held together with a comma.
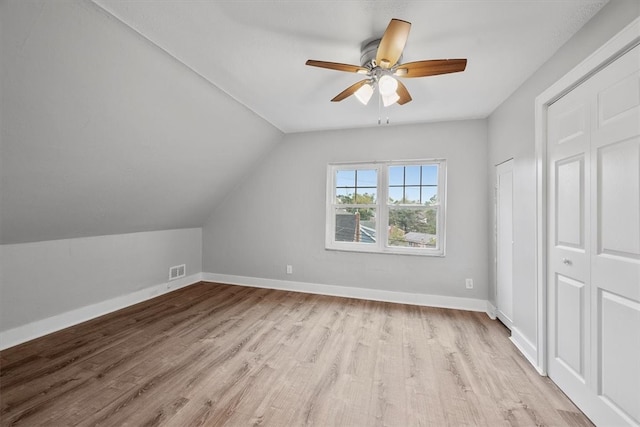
x: 570, y: 324
x: 619, y: 186
x: 619, y: 99
x: 620, y: 369
x: 570, y: 203
x: 570, y: 124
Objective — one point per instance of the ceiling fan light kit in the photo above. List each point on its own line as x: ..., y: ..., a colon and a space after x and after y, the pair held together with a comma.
x: 389, y: 99
x: 387, y: 85
x: 380, y: 61
x: 364, y: 93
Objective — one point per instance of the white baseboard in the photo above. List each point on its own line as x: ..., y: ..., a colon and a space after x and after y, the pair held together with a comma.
x: 470, y: 304
x: 24, y: 333
x: 492, y: 311
x: 527, y: 348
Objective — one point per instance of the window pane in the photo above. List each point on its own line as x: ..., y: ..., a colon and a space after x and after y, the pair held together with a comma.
x: 367, y: 178
x: 412, y: 184
x: 366, y: 196
x: 396, y: 175
x: 412, y: 175
x: 429, y: 195
x: 395, y: 194
x: 356, y: 186
x: 348, y: 196
x: 412, y: 227
x: 345, y: 195
x: 430, y: 175
x: 412, y: 195
x: 346, y: 178
x: 356, y: 225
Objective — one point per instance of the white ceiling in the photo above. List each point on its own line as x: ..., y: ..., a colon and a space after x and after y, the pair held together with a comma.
x: 255, y: 51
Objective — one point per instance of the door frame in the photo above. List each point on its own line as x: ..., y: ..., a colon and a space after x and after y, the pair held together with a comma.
x: 617, y: 46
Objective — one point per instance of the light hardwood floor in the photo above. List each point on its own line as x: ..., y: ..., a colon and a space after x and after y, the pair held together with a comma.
x: 214, y: 354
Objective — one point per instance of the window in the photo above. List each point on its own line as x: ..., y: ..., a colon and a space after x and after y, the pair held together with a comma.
x: 388, y: 207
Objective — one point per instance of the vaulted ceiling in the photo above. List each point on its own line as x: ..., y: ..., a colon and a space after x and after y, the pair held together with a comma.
x: 123, y: 116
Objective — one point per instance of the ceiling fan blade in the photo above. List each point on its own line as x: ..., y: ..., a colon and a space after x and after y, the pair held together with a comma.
x: 430, y: 68
x: 337, y: 66
x: 403, y: 93
x: 349, y: 91
x: 392, y: 43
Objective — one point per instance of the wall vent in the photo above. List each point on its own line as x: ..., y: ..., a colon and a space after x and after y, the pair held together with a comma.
x: 177, y: 271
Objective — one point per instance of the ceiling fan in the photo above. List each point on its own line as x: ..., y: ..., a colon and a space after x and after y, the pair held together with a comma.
x: 380, y: 61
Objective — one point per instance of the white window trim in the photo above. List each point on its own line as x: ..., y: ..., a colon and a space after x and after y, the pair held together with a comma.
x: 382, y: 168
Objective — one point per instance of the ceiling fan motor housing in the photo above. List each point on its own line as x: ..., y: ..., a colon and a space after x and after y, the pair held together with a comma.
x: 368, y: 54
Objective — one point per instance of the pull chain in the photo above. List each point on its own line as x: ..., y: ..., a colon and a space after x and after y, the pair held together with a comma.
x: 380, y: 111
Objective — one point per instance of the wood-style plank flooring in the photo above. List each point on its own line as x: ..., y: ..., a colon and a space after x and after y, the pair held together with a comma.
x: 214, y: 354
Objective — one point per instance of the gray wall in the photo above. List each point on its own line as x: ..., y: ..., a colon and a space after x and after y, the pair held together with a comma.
x: 511, y: 135
x: 43, y: 279
x: 277, y: 216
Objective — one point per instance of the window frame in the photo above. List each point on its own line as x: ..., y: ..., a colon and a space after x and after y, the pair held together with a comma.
x: 382, y: 208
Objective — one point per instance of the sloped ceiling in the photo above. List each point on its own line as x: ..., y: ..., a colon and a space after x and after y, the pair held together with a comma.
x: 104, y: 133
x: 125, y: 116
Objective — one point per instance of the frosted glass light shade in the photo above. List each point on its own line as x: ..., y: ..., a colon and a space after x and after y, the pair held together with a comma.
x: 389, y: 99
x: 387, y: 85
x: 364, y: 93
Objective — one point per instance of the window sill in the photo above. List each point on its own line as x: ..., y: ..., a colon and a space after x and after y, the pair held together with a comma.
x: 431, y: 254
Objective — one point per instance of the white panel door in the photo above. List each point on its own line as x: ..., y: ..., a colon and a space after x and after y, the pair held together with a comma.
x: 504, y: 242
x: 615, y: 236
x: 568, y: 260
x: 594, y: 243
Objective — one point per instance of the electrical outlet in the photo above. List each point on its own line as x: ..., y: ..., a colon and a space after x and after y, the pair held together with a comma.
x: 469, y: 283
x: 289, y: 269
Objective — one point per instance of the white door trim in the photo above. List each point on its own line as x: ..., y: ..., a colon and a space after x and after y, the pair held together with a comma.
x: 614, y: 48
